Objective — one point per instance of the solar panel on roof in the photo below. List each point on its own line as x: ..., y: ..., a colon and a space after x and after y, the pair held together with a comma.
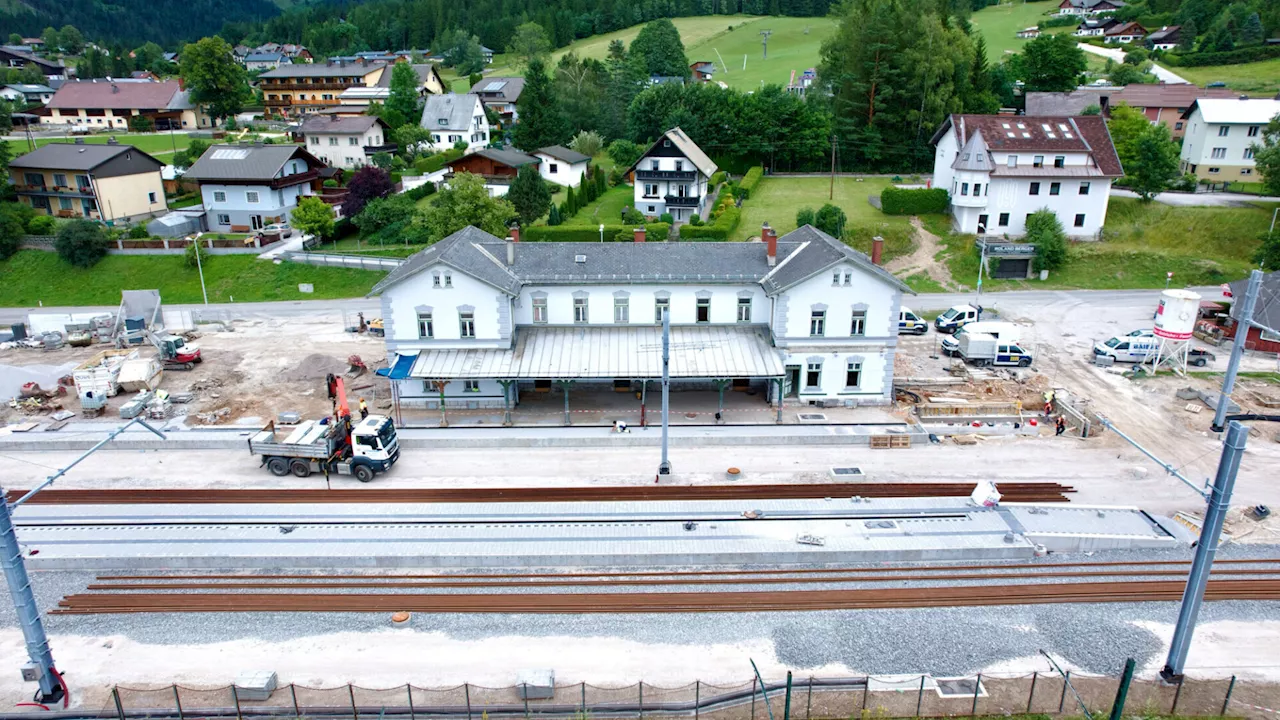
x: 494, y: 86
x: 230, y: 154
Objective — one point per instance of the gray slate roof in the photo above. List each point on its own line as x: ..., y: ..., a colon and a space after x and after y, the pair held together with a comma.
x: 423, y: 71
x: 457, y: 111
x: 802, y: 254
x: 974, y: 155
x: 338, y: 124
x: 510, y: 158
x: 322, y: 70
x: 565, y: 154
x: 71, y: 156
x: 245, y: 162
x: 505, y: 89
x: 685, y: 146
x: 1068, y: 103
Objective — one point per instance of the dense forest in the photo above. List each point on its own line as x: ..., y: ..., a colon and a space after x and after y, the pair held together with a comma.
x: 132, y: 22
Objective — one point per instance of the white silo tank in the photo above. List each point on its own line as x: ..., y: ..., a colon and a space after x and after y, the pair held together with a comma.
x: 1176, y: 316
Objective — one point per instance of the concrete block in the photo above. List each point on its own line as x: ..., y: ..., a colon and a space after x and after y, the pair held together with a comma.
x: 536, y: 684
x: 255, y: 684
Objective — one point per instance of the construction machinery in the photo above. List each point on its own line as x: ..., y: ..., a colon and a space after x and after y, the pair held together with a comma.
x: 174, y: 351
x: 332, y: 445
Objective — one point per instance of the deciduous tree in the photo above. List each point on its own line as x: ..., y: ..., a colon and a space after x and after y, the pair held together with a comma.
x: 81, y: 243
x: 1052, y: 63
x: 404, y: 98
x: 214, y: 78
x: 465, y: 202
x: 70, y: 39
x: 313, y: 216
x: 529, y: 41
x: 367, y: 184
x: 1127, y: 126
x: 1266, y: 156
x: 1050, y: 239
x: 659, y: 45
x: 1155, y: 165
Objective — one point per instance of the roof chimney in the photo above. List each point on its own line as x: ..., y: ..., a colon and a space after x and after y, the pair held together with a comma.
x: 877, y: 249
x: 639, y: 233
x: 770, y: 239
x: 515, y: 234
x: 511, y: 247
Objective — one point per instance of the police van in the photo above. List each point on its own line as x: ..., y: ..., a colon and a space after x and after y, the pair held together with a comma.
x: 910, y: 322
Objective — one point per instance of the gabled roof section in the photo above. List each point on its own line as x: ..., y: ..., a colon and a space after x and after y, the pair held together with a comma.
x: 500, y: 89
x: 455, y: 110
x: 687, y: 147
x: 296, y: 70
x: 1242, y: 111
x: 74, y: 156
x: 246, y: 162
x: 116, y: 95
x: 1040, y: 133
x: 462, y: 251
x: 564, y: 154
x: 974, y: 156
x: 510, y: 158
x: 339, y: 124
x: 815, y: 252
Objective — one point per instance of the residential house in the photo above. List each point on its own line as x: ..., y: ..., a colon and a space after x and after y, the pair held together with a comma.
x: 34, y: 42
x: 1220, y: 133
x: 27, y: 94
x: 454, y: 118
x: 497, y: 167
x: 360, y: 98
x: 1128, y: 32
x: 562, y: 166
x: 1265, y: 313
x: 666, y: 80
x: 801, y: 86
x: 248, y: 186
x: 102, y: 182
x: 1166, y: 38
x: 1164, y: 103
x: 301, y: 88
x: 702, y: 70
x: 500, y: 94
x: 1088, y: 7
x: 171, y: 57
x: 1068, y: 103
x: 429, y: 80
x: 673, y: 176
x: 487, y: 53
x: 998, y: 169
x: 257, y: 62
x: 800, y: 320
x: 1095, y: 27
x: 111, y: 104
x: 13, y: 57
x: 346, y: 142
x: 1026, y: 33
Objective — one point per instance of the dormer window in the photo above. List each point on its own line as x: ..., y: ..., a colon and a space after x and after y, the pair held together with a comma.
x: 966, y: 157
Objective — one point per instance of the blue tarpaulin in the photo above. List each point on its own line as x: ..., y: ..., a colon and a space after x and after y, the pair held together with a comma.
x: 400, y: 370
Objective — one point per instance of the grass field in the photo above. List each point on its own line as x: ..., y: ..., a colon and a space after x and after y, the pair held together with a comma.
x: 1256, y: 78
x: 777, y: 200
x: 151, y: 143
x: 1000, y: 23
x: 1201, y: 246
x: 605, y: 209
x: 35, y: 276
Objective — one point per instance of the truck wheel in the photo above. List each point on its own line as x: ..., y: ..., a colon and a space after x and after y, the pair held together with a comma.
x: 1024, y: 362
x: 300, y: 468
x: 278, y: 467
x: 363, y: 473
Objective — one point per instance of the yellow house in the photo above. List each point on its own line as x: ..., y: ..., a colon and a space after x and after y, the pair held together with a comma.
x: 100, y: 182
x: 112, y: 104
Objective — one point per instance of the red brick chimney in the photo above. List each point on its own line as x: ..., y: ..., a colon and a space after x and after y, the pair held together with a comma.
x: 770, y: 238
x: 639, y: 234
x: 515, y: 234
x: 877, y: 249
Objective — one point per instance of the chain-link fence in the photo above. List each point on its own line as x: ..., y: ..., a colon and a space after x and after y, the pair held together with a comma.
x: 807, y: 698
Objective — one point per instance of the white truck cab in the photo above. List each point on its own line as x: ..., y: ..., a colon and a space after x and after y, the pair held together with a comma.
x: 374, y: 438
x: 910, y: 322
x: 1005, y: 331
x: 1137, y: 346
x: 956, y: 317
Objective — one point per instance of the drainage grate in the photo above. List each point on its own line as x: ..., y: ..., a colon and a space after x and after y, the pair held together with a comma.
x: 959, y: 687
x: 847, y: 472
x: 812, y: 417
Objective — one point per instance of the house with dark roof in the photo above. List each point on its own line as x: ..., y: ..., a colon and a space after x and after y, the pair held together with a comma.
x: 27, y: 95
x: 500, y: 94
x: 672, y: 176
x: 345, y: 141
x: 498, y: 167
x: 799, y: 320
x: 101, y: 182
x: 1095, y: 27
x: 453, y: 118
x: 301, y: 88
x: 258, y: 61
x: 562, y: 166
x: 998, y: 169
x: 1166, y: 38
x: 1088, y: 7
x: 1165, y: 103
x: 18, y: 58
x: 247, y: 186
x: 1123, y: 33
x: 112, y: 104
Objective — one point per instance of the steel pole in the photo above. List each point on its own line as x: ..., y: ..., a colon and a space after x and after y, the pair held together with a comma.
x: 200, y: 269
x: 24, y: 602
x: 982, y: 263
x: 664, y: 467
x: 1215, y: 514
x: 1244, y: 320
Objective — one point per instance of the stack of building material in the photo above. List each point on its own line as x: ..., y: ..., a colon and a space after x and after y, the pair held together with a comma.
x: 140, y: 374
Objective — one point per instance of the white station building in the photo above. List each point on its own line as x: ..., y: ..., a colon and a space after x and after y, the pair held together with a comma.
x: 475, y: 321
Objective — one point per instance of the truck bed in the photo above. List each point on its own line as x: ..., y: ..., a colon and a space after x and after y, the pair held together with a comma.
x: 307, y: 440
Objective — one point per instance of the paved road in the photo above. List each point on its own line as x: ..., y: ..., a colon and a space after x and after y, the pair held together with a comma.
x: 1201, y: 199
x: 285, y: 308
x: 1163, y: 74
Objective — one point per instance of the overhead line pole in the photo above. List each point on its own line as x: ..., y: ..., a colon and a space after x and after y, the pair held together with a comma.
x: 664, y: 467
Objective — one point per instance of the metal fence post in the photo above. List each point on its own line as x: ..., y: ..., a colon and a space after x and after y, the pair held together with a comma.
x: 115, y: 695
x: 1066, y: 682
x: 640, y: 707
x: 524, y: 687
x: 753, y: 699
x: 235, y: 695
x: 1227, y: 700
x: 351, y: 692
x: 920, y: 696
x: 409, y: 691
x: 697, y: 699
x: 177, y: 701
x: 466, y: 688
x: 1031, y: 695
x: 584, y: 701
x: 293, y: 692
x: 866, y: 690
x: 977, y: 687
x: 808, y: 704
x: 1177, y: 694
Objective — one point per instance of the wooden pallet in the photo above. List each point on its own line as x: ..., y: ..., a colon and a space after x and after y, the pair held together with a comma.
x: 887, y: 442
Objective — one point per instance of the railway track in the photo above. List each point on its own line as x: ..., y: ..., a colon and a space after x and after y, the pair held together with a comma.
x: 665, y: 602
x: 1012, y: 492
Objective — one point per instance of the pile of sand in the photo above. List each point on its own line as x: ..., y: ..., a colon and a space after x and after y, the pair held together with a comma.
x: 314, y: 367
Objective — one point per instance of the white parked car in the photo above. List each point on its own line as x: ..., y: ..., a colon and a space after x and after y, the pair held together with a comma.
x: 281, y: 229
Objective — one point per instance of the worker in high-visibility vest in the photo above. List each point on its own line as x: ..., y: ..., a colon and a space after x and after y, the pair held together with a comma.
x: 364, y: 409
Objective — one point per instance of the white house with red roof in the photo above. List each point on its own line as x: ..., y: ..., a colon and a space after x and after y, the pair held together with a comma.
x: 998, y: 169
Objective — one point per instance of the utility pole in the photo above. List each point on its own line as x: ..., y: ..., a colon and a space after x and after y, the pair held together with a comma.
x: 765, y: 34
x: 40, y: 667
x: 1244, y: 321
x: 200, y: 268
x: 664, y: 467
x: 831, y: 194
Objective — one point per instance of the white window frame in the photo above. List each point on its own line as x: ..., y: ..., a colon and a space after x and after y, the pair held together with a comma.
x: 858, y: 324
x: 219, y: 196
x: 813, y: 371
x: 1218, y: 153
x: 252, y: 197
x: 622, y: 310
x: 744, y: 304
x: 660, y: 304
x: 426, y: 326
x: 1224, y: 131
x: 224, y: 219
x: 854, y: 368
x: 539, y: 311
x: 818, y: 323
x: 581, y: 311
x: 698, y: 308
x: 471, y: 386
x: 466, y: 325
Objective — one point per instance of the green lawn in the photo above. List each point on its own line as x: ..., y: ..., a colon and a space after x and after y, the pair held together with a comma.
x: 605, y: 209
x: 1000, y: 23
x: 1255, y: 78
x: 153, y: 143
x: 1201, y: 246
x: 777, y: 200
x: 35, y: 276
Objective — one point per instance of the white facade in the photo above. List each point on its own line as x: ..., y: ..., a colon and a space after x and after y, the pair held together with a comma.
x: 1220, y: 134
x: 826, y: 317
x: 346, y: 150
x: 560, y: 172
x: 673, y: 176
x: 997, y: 197
x: 454, y: 118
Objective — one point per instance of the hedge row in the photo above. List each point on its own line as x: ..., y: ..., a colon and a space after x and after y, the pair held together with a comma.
x: 656, y: 232
x: 750, y: 181
x: 1226, y: 57
x: 899, y: 201
x: 717, y: 231
x: 717, y: 177
x: 435, y: 162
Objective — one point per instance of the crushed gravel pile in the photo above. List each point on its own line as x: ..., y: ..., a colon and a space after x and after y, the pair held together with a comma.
x: 314, y: 367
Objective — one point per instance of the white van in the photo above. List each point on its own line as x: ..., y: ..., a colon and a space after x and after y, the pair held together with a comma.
x: 910, y: 322
x: 1004, y: 331
x: 956, y: 317
x: 1129, y: 348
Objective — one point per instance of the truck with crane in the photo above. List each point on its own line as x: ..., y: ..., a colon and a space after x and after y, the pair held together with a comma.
x: 334, y: 445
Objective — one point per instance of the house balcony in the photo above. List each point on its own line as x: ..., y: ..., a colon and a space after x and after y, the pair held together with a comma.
x: 311, y: 86
x: 56, y: 190
x: 389, y: 148
x: 973, y: 201
x: 295, y: 179
x: 682, y: 202
x: 686, y: 175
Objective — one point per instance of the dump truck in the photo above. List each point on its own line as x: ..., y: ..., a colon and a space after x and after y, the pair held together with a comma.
x: 333, y: 445
x: 982, y: 350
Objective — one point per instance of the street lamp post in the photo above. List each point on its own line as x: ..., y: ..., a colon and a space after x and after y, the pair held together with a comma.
x: 601, y: 232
